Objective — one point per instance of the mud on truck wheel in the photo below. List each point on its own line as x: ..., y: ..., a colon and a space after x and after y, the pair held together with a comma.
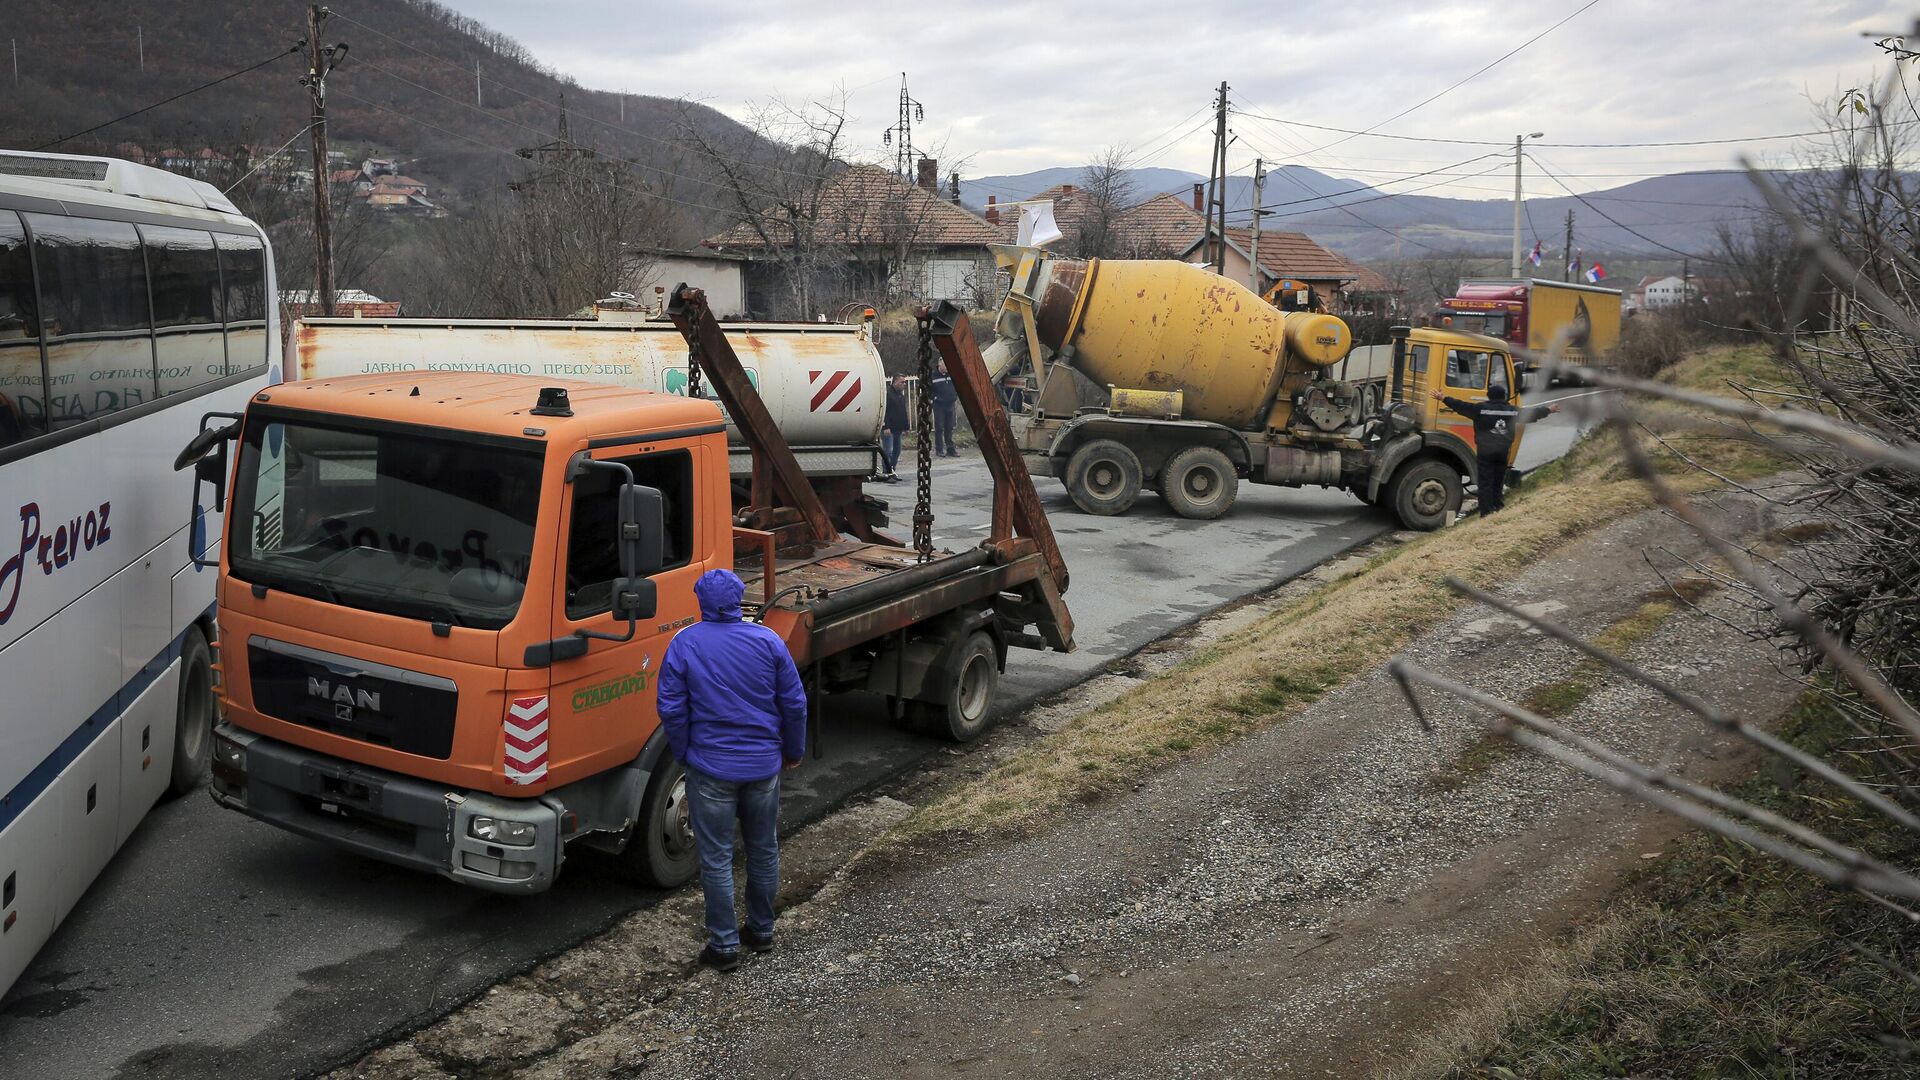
x: 1200, y: 483
x: 661, y: 850
x: 1104, y: 477
x: 1424, y: 494
x: 965, y: 713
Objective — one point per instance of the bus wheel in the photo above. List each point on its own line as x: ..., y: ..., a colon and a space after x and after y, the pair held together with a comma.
x: 1103, y: 477
x: 661, y: 850
x: 963, y: 715
x: 193, y: 725
x: 1199, y: 483
x: 1425, y: 494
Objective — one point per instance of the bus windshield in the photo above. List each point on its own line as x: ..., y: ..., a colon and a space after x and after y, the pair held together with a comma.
x: 385, y: 517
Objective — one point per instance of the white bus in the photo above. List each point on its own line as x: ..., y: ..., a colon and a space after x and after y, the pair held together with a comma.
x: 132, y: 302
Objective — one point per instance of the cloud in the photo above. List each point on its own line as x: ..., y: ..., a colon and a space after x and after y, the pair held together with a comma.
x: 1013, y: 87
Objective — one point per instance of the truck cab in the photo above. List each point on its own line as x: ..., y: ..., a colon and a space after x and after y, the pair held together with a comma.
x: 448, y: 603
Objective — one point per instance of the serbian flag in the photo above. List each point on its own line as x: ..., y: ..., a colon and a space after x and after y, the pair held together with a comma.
x: 1534, y: 256
x: 1573, y: 265
x: 1596, y: 272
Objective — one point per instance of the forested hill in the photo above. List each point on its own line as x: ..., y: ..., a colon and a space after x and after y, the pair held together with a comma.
x: 407, y: 89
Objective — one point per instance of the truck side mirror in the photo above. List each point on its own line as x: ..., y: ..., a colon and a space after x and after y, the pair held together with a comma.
x: 635, y: 599
x: 643, y: 530
x: 206, y: 454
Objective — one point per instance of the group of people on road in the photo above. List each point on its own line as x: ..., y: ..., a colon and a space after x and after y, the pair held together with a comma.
x: 895, y: 422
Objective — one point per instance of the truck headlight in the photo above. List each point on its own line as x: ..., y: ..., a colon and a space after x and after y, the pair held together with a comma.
x: 229, y: 767
x: 502, y: 831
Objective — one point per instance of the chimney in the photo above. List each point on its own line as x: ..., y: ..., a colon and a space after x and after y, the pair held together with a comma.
x: 993, y: 214
x: 953, y: 188
x: 929, y: 176
x: 1199, y: 196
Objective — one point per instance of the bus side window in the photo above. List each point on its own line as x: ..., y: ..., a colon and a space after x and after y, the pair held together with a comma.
x: 243, y: 271
x: 23, y: 409
x: 99, y: 331
x: 189, y: 348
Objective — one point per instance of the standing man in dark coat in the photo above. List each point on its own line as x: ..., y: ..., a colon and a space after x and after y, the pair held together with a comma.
x: 892, y: 427
x: 1495, y: 425
x: 945, y: 398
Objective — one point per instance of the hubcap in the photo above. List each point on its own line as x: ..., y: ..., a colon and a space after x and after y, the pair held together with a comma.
x: 1103, y: 477
x: 1430, y: 497
x: 1202, y: 484
x: 973, y: 687
x: 676, y: 828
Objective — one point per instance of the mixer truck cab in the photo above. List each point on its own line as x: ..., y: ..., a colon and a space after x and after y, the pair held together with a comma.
x: 1164, y: 376
x: 445, y: 597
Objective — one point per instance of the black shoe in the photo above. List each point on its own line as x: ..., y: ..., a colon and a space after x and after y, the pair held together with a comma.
x: 719, y: 961
x: 755, y: 942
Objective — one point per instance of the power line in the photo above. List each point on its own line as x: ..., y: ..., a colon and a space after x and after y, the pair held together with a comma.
x: 1617, y: 223
x: 174, y: 98
x: 1502, y: 58
x: 1371, y: 134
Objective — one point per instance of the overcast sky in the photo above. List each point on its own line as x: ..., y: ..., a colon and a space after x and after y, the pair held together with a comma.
x: 1009, y: 88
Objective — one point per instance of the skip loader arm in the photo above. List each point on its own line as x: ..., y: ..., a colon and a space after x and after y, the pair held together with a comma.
x: 773, y: 460
x: 1020, y: 527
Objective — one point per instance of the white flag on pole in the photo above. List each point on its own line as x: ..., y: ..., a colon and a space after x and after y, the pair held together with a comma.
x: 1037, y: 227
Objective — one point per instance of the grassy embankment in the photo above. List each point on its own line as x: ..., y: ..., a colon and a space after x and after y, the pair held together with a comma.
x: 1723, y: 962
x: 1271, y: 670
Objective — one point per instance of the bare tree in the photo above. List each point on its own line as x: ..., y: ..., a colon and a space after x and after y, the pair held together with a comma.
x: 1107, y: 186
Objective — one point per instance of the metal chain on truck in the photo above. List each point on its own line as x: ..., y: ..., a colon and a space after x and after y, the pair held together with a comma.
x: 693, y: 367
x: 923, y: 421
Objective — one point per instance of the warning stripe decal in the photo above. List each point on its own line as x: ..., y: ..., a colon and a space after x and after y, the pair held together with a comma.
x: 828, y: 395
x: 525, y: 728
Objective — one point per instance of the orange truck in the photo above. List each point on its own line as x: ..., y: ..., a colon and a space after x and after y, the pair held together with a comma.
x: 444, y: 597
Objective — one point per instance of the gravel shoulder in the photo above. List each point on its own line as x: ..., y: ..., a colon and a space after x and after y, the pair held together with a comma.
x: 1307, y: 900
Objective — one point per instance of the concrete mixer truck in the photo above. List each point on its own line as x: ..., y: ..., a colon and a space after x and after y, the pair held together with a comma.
x: 1157, y: 373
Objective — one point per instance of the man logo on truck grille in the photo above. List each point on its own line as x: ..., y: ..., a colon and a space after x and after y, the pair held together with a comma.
x: 345, y: 698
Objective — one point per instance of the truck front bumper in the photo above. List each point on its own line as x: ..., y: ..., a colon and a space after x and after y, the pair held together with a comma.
x: 384, y: 815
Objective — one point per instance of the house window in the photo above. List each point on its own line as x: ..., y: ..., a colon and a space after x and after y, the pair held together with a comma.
x: 946, y: 279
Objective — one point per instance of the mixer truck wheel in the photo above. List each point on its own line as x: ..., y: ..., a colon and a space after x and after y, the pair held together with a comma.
x: 1103, y: 477
x: 1425, y: 494
x: 1199, y: 483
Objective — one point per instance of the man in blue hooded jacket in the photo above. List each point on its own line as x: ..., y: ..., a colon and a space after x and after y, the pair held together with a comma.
x: 735, y: 714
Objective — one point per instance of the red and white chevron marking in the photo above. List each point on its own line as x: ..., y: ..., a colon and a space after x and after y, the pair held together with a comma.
x: 833, y: 391
x: 526, y: 726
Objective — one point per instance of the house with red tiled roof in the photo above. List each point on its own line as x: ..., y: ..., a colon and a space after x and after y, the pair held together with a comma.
x: 870, y: 236
x: 1290, y: 256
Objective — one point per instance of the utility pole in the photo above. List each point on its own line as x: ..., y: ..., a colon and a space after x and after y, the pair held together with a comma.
x: 1518, y: 140
x: 1253, y: 253
x: 15, y: 42
x: 1566, y: 264
x: 476, y: 85
x: 1217, y: 202
x: 140, y: 42
x: 321, y: 60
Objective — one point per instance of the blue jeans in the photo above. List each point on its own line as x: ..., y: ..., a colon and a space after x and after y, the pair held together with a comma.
x: 890, y: 449
x: 713, y: 804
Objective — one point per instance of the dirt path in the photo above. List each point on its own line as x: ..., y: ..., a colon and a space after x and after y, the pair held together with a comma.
x: 1306, y: 901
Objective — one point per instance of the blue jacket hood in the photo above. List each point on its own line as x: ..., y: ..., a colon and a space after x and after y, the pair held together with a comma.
x: 719, y: 593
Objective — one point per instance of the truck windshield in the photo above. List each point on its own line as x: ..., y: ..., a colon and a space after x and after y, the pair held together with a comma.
x: 1492, y: 324
x: 385, y: 517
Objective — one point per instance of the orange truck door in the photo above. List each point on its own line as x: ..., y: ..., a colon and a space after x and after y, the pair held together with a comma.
x: 602, y: 709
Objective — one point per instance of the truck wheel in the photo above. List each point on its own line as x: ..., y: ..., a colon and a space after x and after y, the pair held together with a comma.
x: 1199, y: 483
x: 1103, y: 477
x: 1425, y: 494
x: 963, y: 715
x: 661, y: 851
x: 193, y: 724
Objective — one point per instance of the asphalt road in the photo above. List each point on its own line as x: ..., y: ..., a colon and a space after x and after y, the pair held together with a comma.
x: 215, y: 946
